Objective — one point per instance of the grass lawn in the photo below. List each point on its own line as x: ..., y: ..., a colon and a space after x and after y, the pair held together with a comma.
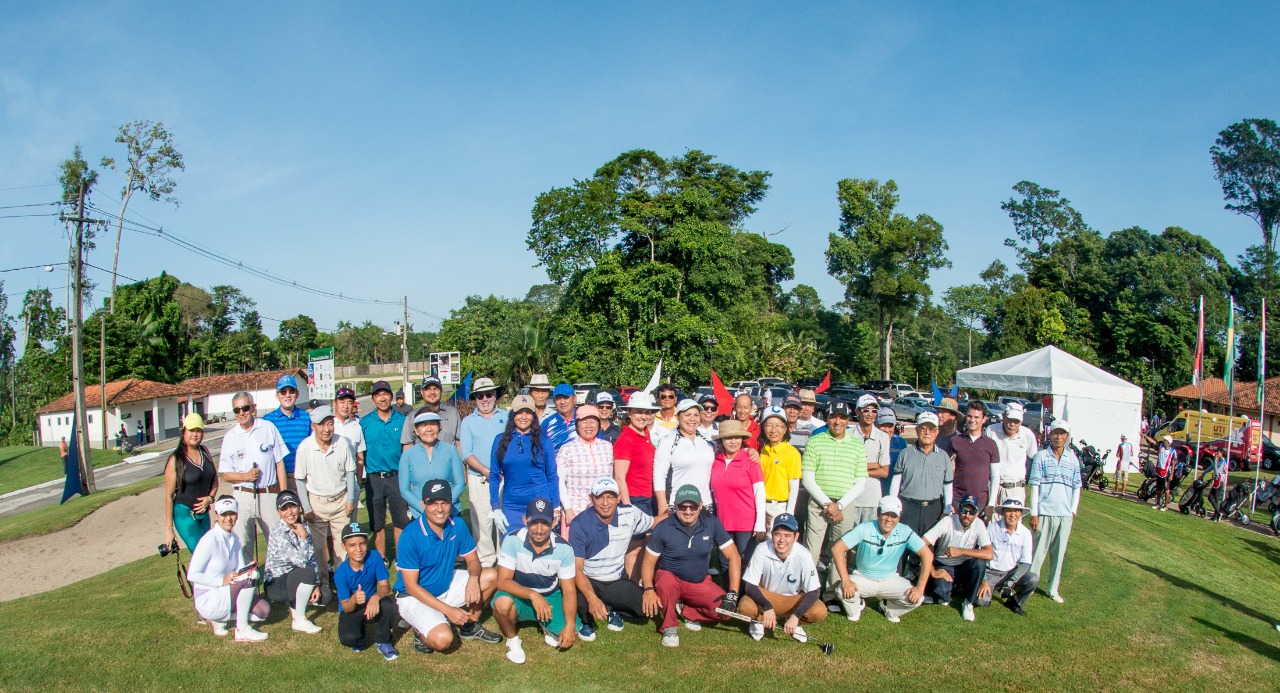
x: 56, y: 517
x: 23, y: 466
x: 1154, y: 600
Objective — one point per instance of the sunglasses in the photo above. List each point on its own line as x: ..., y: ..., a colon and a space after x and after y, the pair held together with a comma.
x: 968, y: 511
x: 242, y: 410
x: 287, y: 391
x: 486, y: 395
x: 686, y: 507
x: 667, y: 396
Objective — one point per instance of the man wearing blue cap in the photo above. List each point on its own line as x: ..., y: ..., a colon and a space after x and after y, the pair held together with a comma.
x: 293, y: 423
x: 560, y: 426
x: 600, y: 539
x: 781, y: 582
x: 536, y: 583
x: 961, y: 549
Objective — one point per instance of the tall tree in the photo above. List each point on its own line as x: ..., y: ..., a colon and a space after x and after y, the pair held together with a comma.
x: 1040, y: 217
x: 968, y: 303
x: 1246, y: 161
x: 883, y: 256
x: 296, y: 337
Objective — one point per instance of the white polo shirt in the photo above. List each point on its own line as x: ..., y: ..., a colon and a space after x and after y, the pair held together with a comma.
x: 796, y: 575
x: 351, y: 431
x: 261, y: 446
x: 689, y: 462
x: 1014, y: 452
x: 1010, y: 548
x: 949, y: 532
x: 324, y: 473
x: 877, y: 447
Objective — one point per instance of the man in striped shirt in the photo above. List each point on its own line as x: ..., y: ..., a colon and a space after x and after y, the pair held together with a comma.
x: 834, y: 471
x: 536, y: 583
x: 1055, y: 497
x: 600, y: 538
x: 293, y: 423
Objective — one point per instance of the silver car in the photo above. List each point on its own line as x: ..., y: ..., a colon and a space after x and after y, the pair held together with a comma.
x: 908, y: 408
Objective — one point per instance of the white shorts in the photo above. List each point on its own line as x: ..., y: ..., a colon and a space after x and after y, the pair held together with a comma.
x: 422, y: 617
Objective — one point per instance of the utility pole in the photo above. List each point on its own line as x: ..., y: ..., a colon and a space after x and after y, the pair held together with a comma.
x: 404, y: 352
x: 102, y: 374
x: 77, y: 355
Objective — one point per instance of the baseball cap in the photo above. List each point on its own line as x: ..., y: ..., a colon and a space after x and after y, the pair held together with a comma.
x: 786, y: 521
x: 426, y: 416
x: 969, y: 500
x: 927, y: 418
x: 641, y: 400
x: 345, y: 392
x: 353, y: 529
x: 588, y: 410
x: 791, y: 401
x: 520, y: 402
x: 320, y: 413
x: 603, y: 485
x: 1013, y: 411
x: 287, y: 498
x: 380, y: 386
x: 539, y: 381
x: 1062, y: 425
x: 886, y: 416
x: 686, y: 405
x: 539, y: 510
x: 774, y: 412
x: 1166, y: 437
x: 436, y: 489
x: 1012, y: 504
x: 708, y: 398
x: 838, y: 407
x: 688, y: 494
x: 808, y: 397
x: 193, y: 422
x: 868, y: 401
x: 286, y: 381
x: 563, y: 390
x: 891, y: 504
x: 429, y: 381
x: 222, y: 506
x: 602, y: 397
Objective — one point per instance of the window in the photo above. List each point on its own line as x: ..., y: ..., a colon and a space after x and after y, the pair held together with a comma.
x: 91, y: 418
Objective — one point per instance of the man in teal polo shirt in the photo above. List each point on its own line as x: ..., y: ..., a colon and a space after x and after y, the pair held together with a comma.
x: 381, y: 431
x: 293, y: 423
x: 878, y: 546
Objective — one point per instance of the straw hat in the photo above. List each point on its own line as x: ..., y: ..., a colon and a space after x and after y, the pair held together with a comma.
x: 732, y: 429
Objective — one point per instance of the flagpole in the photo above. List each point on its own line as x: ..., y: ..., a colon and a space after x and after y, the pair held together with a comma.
x: 1230, y: 377
x: 1262, y: 402
x: 1199, y: 377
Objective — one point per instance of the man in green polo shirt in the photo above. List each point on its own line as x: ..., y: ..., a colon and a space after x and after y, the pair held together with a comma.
x: 833, y: 471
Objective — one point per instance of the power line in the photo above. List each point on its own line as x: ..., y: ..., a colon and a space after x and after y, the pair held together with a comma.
x: 47, y: 264
x: 37, y: 204
x: 23, y: 216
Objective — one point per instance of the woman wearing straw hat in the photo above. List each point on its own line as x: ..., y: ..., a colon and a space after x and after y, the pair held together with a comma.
x: 737, y: 484
x: 190, y: 482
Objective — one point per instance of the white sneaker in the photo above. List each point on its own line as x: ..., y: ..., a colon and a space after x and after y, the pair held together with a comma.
x: 693, y: 626
x: 756, y: 631
x: 855, y: 615
x: 1056, y: 598
x: 248, y: 634
x: 515, y: 651
x: 303, y: 625
x: 551, y: 640
x: 220, y: 628
x: 892, y: 619
x: 966, y: 612
x: 800, y: 635
x: 671, y: 637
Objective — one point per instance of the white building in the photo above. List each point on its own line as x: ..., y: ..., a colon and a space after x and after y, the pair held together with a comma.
x: 212, y: 395
x: 157, y: 406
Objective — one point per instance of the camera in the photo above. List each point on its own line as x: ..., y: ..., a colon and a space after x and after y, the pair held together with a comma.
x: 165, y: 550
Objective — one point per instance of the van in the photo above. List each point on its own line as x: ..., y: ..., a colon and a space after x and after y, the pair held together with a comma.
x: 1190, y: 427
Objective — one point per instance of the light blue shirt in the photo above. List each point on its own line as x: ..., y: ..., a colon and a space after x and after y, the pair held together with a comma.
x: 417, y: 467
x: 478, y: 434
x: 1056, y: 481
x: 875, y: 555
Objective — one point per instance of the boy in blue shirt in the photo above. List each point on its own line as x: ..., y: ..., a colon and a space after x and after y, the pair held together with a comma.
x: 536, y: 583
x: 364, y: 594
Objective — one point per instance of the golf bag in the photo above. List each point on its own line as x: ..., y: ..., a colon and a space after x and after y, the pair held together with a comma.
x: 1091, y: 466
x: 1233, y: 505
x: 1268, y: 498
x: 1192, y: 500
x: 1148, y: 488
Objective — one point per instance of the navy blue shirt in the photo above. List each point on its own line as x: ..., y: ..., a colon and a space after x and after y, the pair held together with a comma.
x: 293, y: 430
x: 433, y: 556
x: 686, y: 551
x: 382, y: 441
x: 370, y: 574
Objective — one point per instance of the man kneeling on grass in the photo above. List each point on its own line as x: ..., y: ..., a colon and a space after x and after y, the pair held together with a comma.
x: 961, y: 551
x: 781, y: 581
x: 878, y: 547
x: 600, y: 538
x: 676, y: 566
x: 364, y: 594
x: 1009, y: 572
x: 430, y: 592
x: 535, y: 583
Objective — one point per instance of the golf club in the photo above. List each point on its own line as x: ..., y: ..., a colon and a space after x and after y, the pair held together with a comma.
x: 827, y: 647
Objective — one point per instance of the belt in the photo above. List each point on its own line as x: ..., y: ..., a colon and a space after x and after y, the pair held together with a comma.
x: 382, y: 475
x: 1013, y: 484
x: 923, y: 503
x: 252, y: 489
x: 329, y: 498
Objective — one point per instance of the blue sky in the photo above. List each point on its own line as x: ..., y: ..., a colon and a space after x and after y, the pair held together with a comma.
x: 386, y: 149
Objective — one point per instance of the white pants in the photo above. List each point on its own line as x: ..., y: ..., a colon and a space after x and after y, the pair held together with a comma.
x: 891, y: 591
x: 257, y: 510
x: 1053, y: 535
x: 772, y: 509
x: 215, y: 604
x: 481, y: 520
x: 422, y: 617
x: 1018, y: 493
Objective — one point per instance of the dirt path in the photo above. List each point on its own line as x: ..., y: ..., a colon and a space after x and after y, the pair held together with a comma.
x: 119, y: 532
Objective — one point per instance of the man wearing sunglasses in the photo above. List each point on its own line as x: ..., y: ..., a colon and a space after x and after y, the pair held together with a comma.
x: 666, y: 418
x: 252, y: 461
x: 878, y: 547
x: 478, y: 431
x: 293, y: 424
x: 961, y: 549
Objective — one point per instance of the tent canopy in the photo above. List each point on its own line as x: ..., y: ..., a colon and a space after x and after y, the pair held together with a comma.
x: 1099, y: 405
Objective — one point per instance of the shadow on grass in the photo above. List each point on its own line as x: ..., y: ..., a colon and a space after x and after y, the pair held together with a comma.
x: 1246, y: 641
x: 1267, y: 549
x: 1188, y: 585
x: 16, y: 458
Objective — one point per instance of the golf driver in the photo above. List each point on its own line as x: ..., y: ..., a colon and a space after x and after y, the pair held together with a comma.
x: 827, y: 647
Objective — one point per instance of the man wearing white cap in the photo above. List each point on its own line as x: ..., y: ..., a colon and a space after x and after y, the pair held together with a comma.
x: 1124, y: 461
x: 1165, y: 458
x: 1009, y: 570
x: 600, y: 538
x: 609, y: 429
x: 922, y: 478
x: 1017, y: 446
x: 878, y: 548
x: 876, y: 443
x: 327, y: 488
x: 1055, y: 497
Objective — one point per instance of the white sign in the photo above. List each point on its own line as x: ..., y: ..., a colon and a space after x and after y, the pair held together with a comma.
x: 447, y: 366
x: 320, y: 384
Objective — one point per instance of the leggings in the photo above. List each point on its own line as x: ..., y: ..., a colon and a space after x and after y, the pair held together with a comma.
x: 190, y: 528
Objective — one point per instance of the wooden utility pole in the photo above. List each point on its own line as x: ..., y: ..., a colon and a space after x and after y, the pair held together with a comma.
x: 404, y: 353
x: 77, y: 356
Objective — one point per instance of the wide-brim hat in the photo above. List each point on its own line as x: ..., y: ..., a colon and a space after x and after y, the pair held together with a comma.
x: 948, y: 404
x: 483, y: 385
x: 641, y: 400
x: 732, y: 429
x: 539, y: 381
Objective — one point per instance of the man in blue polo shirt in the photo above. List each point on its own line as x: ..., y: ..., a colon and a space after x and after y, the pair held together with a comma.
x: 878, y: 545
x: 600, y: 540
x: 430, y: 593
x: 381, y: 431
x: 293, y: 423
x: 479, y: 429
x: 535, y: 582
x: 559, y: 427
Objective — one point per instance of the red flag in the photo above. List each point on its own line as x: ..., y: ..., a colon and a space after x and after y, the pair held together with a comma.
x: 822, y: 386
x: 1196, y: 372
x: 724, y: 400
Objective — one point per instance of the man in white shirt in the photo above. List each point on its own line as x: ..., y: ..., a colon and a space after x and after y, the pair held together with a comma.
x: 1017, y: 446
x: 808, y: 404
x: 1124, y: 461
x: 781, y: 581
x: 326, y: 472
x: 876, y: 443
x: 252, y: 461
x: 961, y: 549
x: 1009, y: 570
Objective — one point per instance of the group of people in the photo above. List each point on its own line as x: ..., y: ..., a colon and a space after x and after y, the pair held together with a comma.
x: 679, y: 511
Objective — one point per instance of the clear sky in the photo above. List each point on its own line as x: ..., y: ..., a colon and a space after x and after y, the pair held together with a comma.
x: 385, y: 149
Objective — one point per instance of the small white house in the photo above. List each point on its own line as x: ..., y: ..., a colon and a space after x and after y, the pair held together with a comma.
x: 211, y: 395
x: 157, y: 407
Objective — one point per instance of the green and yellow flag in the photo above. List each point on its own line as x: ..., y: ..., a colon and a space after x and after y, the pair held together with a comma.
x: 1229, y: 368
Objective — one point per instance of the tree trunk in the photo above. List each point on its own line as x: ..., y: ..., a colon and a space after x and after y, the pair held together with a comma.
x: 971, y: 346
x: 888, y: 342
x: 115, y: 259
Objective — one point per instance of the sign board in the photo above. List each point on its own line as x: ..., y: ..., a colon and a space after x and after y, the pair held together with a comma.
x: 447, y: 366
x: 320, y: 384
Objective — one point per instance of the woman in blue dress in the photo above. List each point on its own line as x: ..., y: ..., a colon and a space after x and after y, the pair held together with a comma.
x: 523, y: 467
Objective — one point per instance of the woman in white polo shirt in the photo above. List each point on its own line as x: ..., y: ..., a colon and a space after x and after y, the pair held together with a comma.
x: 686, y: 453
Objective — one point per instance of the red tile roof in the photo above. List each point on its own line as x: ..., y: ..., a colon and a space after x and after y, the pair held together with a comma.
x: 236, y: 382
x: 118, y: 392
x: 1246, y: 393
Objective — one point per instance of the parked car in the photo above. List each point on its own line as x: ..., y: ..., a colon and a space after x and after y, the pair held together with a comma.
x: 808, y: 383
x: 1006, y: 399
x: 1270, y: 455
x: 742, y: 385
x: 1033, y: 416
x: 774, y: 382
x: 626, y: 391
x: 903, y: 390
x: 878, y: 385
x: 995, y: 411
x: 581, y: 390
x: 908, y: 408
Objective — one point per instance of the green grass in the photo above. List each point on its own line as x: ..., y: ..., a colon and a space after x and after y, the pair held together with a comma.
x: 56, y: 517
x: 1154, y: 600
x: 23, y: 466
x: 1260, y: 516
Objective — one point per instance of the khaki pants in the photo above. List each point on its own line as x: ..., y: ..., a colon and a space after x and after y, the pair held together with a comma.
x: 891, y: 591
x: 482, y: 520
x: 331, y: 517
x: 257, y: 511
x: 783, y: 607
x: 1017, y: 492
x: 772, y: 509
x: 819, y: 533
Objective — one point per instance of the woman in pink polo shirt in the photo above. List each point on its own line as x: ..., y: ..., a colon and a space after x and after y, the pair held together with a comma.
x: 737, y: 485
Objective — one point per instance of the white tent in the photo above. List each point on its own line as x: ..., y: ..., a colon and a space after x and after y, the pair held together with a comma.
x: 1100, y: 406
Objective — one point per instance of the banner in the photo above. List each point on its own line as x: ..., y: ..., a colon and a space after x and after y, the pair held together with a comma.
x: 320, y: 383
x: 463, y: 392
x: 71, y: 467
x: 447, y: 366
